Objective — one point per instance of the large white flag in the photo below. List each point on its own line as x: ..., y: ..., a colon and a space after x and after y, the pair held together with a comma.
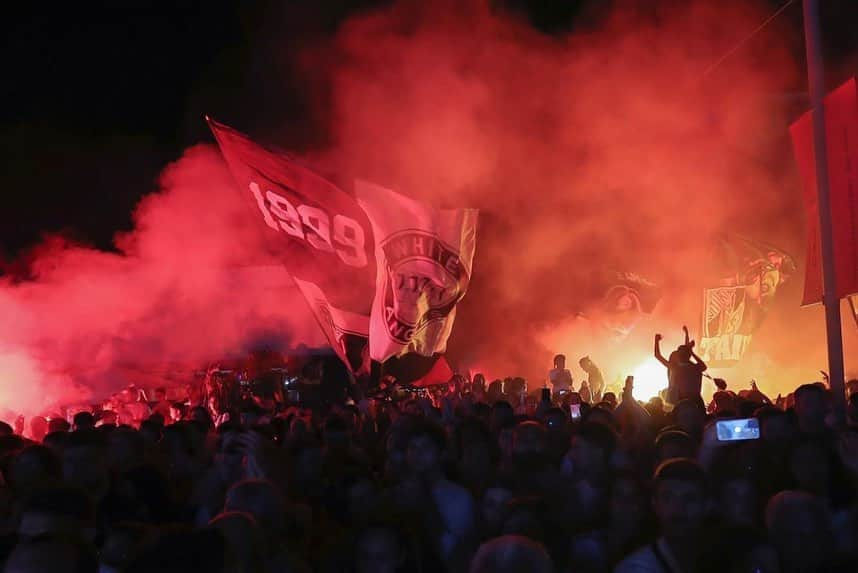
x: 423, y: 265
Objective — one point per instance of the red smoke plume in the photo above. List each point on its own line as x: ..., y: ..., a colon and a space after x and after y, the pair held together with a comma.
x: 172, y: 298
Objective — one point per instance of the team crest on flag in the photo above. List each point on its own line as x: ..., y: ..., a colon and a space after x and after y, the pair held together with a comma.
x: 423, y: 262
x: 425, y: 281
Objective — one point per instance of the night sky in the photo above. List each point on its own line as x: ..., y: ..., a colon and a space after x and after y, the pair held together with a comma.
x: 98, y: 96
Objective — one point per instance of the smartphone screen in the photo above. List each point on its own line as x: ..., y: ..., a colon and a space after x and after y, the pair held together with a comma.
x: 575, y: 411
x: 737, y: 430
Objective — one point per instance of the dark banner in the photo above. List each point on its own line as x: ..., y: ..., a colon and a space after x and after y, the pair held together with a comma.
x: 750, y: 274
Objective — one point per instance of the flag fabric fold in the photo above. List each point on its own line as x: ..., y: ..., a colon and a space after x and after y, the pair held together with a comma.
x: 334, y: 322
x: 423, y: 267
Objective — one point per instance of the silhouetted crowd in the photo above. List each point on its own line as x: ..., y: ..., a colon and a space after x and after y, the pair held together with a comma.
x: 469, y: 476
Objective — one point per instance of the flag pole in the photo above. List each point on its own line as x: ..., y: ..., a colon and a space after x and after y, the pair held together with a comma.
x: 816, y: 87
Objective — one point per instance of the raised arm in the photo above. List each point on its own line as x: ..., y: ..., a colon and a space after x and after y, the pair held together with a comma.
x: 697, y: 359
x: 657, y: 351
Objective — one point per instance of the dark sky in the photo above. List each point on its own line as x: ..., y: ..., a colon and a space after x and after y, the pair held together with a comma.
x: 98, y: 96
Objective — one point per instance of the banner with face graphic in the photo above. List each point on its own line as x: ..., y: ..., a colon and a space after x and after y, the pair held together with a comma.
x: 423, y: 261
x: 627, y: 298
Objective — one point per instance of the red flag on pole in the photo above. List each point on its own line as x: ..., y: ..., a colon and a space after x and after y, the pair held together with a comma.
x: 439, y: 374
x: 841, y: 122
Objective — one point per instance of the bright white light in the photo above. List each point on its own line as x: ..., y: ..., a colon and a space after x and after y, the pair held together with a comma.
x: 650, y: 379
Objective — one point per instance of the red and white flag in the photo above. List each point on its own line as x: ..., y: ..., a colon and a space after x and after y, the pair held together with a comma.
x: 318, y: 232
x: 423, y: 261
x: 841, y: 124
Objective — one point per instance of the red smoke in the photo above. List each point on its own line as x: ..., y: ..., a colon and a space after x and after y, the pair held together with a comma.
x: 171, y: 298
x: 607, y: 148
x: 611, y: 148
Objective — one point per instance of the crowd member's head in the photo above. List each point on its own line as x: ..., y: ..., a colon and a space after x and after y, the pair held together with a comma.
x: 263, y: 501
x: 810, y: 467
x: 230, y: 455
x: 776, y: 427
x: 560, y: 361
x: 85, y: 463
x: 494, y: 507
x: 177, y: 411
x: 125, y: 448
x: 494, y: 391
x: 336, y: 432
x: 628, y: 504
x: 690, y: 416
x: 555, y: 420
x: 799, y: 528
x: 425, y: 450
x: 611, y: 399
x: 590, y: 452
x: 476, y: 448
x: 243, y: 537
x: 511, y: 554
x: 479, y: 383
x: 529, y: 445
x: 503, y: 415
x: 121, y: 545
x: 679, y: 499
x: 33, y: 466
x: 58, y: 425
x: 737, y: 500
x: 811, y: 407
x: 674, y: 444
x: 182, y: 447
x: 52, y: 554
x: 83, y: 421
x: 151, y: 431
x: 528, y: 516
x: 201, y: 416
x: 56, y: 441
x: 57, y: 510
x: 655, y: 406
x: 6, y: 430
x: 38, y: 428
x: 381, y: 548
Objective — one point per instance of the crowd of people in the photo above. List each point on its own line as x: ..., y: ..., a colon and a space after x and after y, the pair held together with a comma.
x: 473, y: 476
